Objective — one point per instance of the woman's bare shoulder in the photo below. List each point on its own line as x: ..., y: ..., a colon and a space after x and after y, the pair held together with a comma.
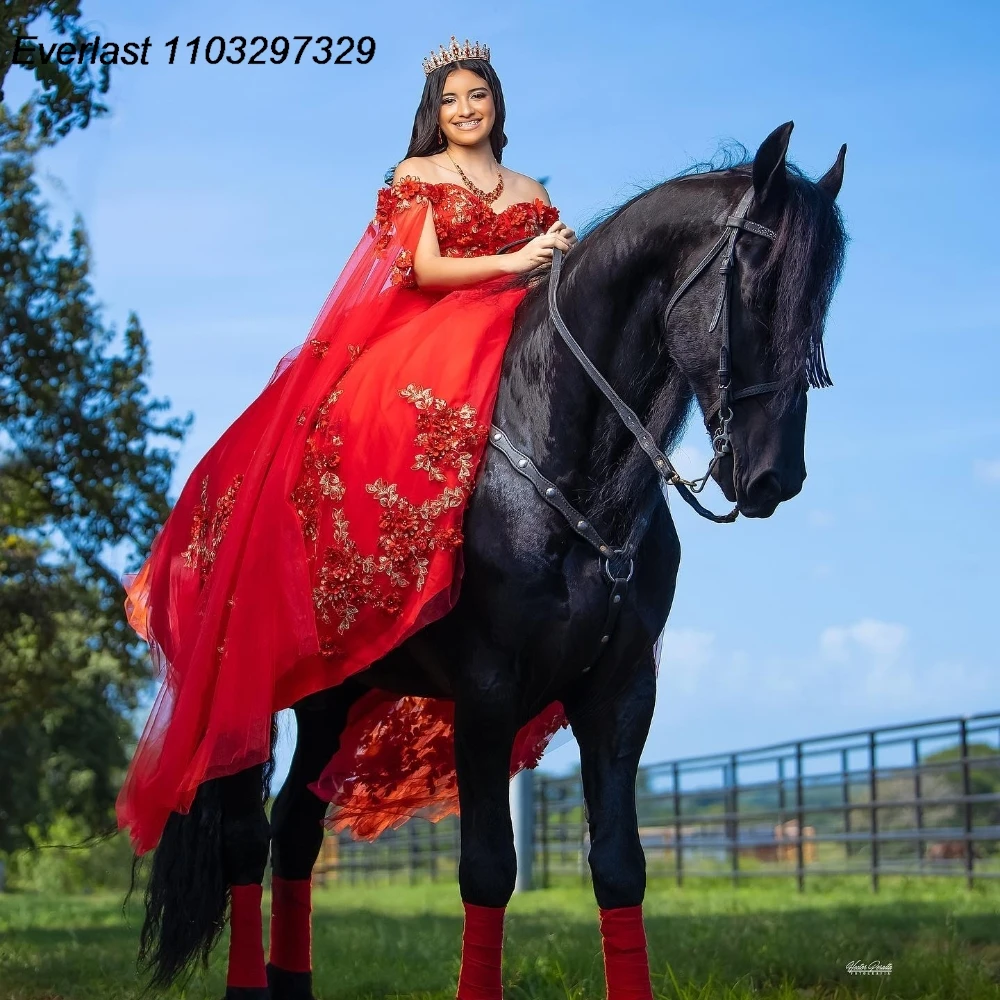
x: 523, y: 187
x: 419, y: 168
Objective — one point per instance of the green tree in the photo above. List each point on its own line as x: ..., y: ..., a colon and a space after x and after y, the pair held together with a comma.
x: 65, y: 694
x: 79, y: 475
x: 66, y: 96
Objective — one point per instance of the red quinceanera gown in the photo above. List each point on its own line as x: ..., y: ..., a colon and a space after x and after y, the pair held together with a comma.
x: 324, y: 527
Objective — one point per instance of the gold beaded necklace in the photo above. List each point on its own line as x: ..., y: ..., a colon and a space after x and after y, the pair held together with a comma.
x: 487, y: 196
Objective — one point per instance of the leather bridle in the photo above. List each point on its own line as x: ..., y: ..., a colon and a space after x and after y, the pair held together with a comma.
x: 721, y: 440
x: 722, y: 444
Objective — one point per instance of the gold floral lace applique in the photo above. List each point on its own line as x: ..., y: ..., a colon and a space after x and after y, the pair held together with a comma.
x: 318, y: 475
x: 207, y: 531
x: 447, y: 437
x: 447, y: 434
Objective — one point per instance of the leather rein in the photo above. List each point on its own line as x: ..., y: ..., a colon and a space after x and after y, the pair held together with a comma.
x: 618, y: 562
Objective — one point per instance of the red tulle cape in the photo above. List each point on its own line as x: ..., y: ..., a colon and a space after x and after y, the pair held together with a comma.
x: 320, y: 531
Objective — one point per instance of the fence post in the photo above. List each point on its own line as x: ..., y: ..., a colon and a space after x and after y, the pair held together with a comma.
x: 873, y: 808
x: 779, y: 851
x: 845, y: 795
x: 543, y: 802
x: 966, y: 792
x: 678, y: 859
x: 522, y: 817
x: 782, y: 803
x: 412, y: 861
x: 734, y: 823
x: 432, y: 850
x: 918, y: 795
x: 800, y: 857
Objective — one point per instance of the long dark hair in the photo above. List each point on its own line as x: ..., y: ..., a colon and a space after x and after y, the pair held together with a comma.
x: 424, y: 138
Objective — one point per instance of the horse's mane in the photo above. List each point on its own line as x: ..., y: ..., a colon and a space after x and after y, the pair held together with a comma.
x: 795, y: 286
x: 793, y: 289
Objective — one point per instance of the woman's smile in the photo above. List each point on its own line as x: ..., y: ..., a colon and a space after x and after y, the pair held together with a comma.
x: 467, y: 107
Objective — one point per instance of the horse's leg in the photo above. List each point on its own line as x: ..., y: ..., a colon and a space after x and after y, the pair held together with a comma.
x: 485, y: 727
x: 611, y: 737
x: 296, y: 839
x: 245, y: 838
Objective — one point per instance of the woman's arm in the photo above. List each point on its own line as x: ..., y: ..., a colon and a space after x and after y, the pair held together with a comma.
x: 431, y: 270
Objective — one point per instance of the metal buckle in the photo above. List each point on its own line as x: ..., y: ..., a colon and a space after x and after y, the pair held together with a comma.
x: 617, y: 579
x: 721, y: 441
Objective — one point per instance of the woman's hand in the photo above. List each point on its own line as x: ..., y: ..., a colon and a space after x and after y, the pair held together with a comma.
x: 539, y: 250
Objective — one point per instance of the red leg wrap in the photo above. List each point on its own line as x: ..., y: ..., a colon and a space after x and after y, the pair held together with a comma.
x: 482, y: 946
x: 246, y: 944
x: 626, y: 965
x: 291, y: 924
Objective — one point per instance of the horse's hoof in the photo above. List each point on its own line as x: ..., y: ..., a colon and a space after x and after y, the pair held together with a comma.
x: 287, y: 985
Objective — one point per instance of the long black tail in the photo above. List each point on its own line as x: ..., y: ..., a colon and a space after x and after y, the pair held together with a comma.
x: 187, y: 895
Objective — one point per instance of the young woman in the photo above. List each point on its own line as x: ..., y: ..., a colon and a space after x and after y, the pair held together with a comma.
x: 324, y: 527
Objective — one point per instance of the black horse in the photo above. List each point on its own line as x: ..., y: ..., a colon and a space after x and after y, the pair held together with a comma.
x: 534, y: 599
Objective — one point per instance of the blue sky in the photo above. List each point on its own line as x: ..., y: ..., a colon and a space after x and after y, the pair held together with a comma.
x: 222, y: 201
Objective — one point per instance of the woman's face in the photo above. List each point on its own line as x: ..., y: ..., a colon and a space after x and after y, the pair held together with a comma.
x: 467, y: 111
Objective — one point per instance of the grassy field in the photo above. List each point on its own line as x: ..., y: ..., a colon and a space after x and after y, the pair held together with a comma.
x: 707, y: 942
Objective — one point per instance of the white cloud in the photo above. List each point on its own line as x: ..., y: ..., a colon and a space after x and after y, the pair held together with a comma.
x: 873, y: 661
x: 987, y: 470
x: 870, y: 655
x: 882, y: 642
x: 713, y: 697
x: 868, y: 666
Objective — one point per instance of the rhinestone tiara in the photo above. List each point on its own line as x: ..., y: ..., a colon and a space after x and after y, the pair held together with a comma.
x: 454, y: 52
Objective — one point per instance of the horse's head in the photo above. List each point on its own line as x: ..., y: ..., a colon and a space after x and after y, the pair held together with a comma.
x: 780, y: 288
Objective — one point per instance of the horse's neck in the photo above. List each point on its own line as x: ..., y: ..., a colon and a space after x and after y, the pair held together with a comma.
x: 553, y: 407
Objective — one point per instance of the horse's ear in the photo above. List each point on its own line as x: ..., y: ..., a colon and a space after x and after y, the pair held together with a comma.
x: 830, y: 181
x: 769, y: 179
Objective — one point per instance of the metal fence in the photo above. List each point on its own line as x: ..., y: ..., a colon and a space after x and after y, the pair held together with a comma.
x: 917, y: 799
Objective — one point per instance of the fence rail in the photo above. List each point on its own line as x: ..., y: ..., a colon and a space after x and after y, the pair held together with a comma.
x: 917, y: 799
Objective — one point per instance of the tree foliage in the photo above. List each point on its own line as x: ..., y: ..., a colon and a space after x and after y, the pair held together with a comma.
x: 79, y: 416
x: 79, y: 476
x: 66, y: 97
x: 65, y: 694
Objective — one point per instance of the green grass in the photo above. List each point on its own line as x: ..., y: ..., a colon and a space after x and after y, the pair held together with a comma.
x: 706, y: 942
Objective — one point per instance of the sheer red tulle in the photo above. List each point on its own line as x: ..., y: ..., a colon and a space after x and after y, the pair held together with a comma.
x: 324, y: 527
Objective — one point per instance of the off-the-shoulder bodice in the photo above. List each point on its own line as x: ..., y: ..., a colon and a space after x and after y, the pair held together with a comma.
x: 466, y: 226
